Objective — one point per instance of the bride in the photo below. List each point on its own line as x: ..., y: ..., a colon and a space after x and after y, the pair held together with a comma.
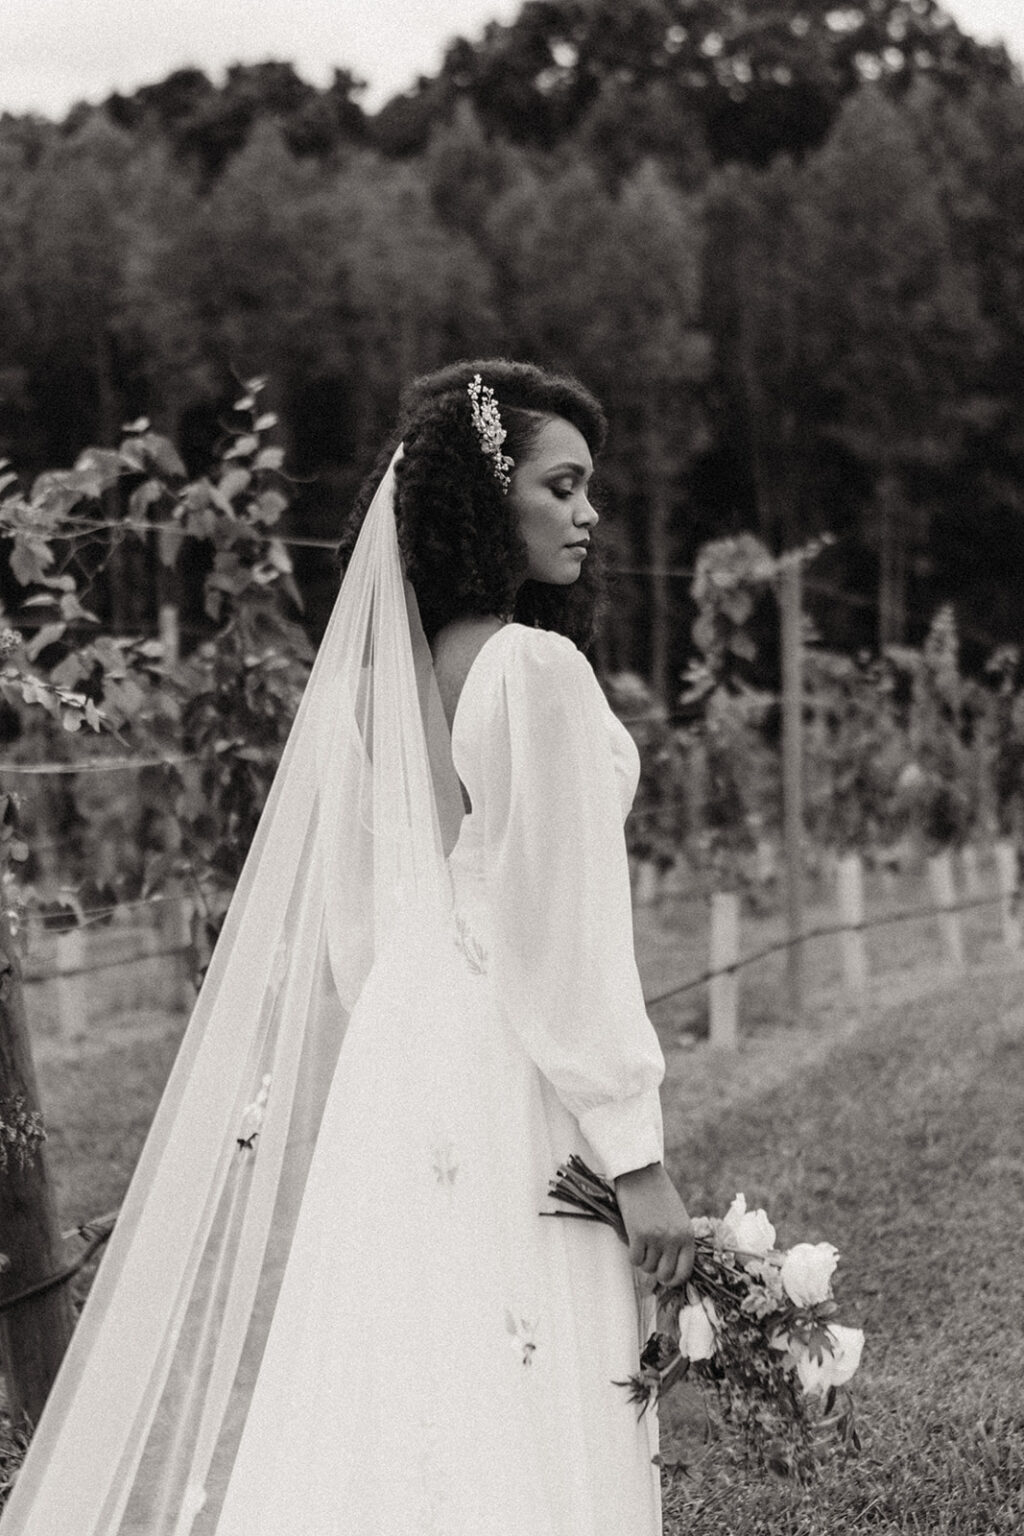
x: 330, y: 1307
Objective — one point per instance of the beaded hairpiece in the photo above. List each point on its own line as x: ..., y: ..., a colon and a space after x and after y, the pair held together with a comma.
x: 487, y: 421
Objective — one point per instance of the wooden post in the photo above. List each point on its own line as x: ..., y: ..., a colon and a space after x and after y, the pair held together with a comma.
x: 940, y: 878
x: 169, y: 626
x: 850, y: 892
x: 70, y: 960
x: 647, y: 883
x: 792, y: 773
x: 1009, y: 885
x: 35, y: 1333
x: 723, y: 990
x: 174, y: 934
x: 972, y: 872
x: 764, y: 862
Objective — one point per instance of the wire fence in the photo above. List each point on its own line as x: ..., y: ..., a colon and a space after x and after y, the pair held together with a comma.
x: 822, y: 931
x: 95, y: 1233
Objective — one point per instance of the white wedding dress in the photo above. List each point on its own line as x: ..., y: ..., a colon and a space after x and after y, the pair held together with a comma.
x: 441, y: 1360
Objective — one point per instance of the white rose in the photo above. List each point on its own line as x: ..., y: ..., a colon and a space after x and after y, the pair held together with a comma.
x: 807, y: 1272
x: 696, y: 1331
x: 747, y: 1231
x: 833, y: 1370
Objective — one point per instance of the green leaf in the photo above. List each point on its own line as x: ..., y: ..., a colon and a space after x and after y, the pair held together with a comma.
x: 71, y: 608
x: 143, y: 497
x: 133, y: 455
x: 29, y: 560
x: 243, y: 446
x: 269, y: 506
x: 44, y: 637
x: 233, y: 482
x: 270, y: 458
x: 98, y: 469
x: 168, y: 543
x: 265, y: 422
x: 164, y: 455
x: 55, y: 493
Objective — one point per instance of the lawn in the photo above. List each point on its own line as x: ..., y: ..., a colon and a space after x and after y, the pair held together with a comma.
x: 904, y: 1146
x: 900, y: 1140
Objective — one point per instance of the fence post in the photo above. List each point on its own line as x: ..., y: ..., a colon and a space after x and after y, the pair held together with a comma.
x: 1009, y: 885
x: 723, y: 990
x: 174, y: 929
x: 648, y: 881
x: 792, y: 771
x: 972, y: 873
x: 70, y: 960
x: 850, y: 891
x: 35, y: 1333
x: 940, y: 878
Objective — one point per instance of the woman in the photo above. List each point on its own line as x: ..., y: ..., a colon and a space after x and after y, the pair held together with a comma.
x: 441, y: 858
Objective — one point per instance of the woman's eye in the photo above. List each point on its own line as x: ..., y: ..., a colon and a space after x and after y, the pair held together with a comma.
x: 563, y: 492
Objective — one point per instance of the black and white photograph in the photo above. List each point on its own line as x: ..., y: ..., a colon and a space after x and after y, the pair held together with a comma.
x: 511, y: 768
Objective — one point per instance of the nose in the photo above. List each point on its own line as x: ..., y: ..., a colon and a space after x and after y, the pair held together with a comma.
x: 586, y: 515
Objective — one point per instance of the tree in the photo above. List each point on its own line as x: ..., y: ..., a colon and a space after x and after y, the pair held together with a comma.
x: 974, y: 150
x: 893, y: 333
x: 205, y: 125
x: 761, y: 76
x: 607, y: 285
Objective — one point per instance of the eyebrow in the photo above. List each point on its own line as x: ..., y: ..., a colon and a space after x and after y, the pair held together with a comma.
x: 577, y: 469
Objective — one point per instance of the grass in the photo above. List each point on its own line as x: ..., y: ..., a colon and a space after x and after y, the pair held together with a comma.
x: 900, y: 1141
x: 904, y: 1146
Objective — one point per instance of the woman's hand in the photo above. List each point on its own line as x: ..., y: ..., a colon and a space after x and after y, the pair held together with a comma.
x: 659, y: 1230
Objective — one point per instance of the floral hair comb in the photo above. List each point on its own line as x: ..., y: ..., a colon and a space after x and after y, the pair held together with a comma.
x: 487, y: 421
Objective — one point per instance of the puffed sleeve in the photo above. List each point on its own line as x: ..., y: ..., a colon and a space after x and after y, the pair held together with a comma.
x: 562, y: 965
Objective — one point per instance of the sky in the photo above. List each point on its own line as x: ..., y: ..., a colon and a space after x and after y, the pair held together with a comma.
x: 56, y: 52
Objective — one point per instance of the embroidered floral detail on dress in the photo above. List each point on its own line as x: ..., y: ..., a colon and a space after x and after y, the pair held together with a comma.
x: 522, y: 1341
x: 192, y: 1501
x: 252, y: 1116
x: 472, y: 949
x: 446, y: 1164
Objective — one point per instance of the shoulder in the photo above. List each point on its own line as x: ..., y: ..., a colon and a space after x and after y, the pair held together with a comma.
x: 455, y: 648
x: 524, y: 670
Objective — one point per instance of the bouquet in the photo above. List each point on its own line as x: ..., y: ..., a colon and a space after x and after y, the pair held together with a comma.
x: 753, y: 1324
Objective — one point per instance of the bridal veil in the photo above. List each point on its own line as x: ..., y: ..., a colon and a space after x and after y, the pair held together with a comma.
x: 141, y: 1427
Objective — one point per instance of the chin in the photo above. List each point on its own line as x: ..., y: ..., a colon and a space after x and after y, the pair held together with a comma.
x: 556, y: 578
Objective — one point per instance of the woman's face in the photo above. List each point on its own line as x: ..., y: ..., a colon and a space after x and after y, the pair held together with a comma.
x: 549, y: 497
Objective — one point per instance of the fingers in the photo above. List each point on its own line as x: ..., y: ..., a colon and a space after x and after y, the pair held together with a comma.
x: 684, y: 1262
x: 669, y: 1260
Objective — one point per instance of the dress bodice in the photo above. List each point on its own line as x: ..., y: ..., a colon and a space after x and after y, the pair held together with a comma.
x: 467, y: 861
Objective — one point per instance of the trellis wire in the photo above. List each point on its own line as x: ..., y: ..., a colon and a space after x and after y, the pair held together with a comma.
x: 101, y: 1228
x: 824, y: 931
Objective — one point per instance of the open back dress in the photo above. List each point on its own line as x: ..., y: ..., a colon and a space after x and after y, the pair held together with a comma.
x: 442, y: 1360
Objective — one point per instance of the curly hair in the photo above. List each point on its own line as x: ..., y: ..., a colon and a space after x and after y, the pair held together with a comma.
x: 457, y: 531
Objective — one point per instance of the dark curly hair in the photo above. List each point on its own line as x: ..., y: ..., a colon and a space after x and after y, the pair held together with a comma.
x: 457, y: 533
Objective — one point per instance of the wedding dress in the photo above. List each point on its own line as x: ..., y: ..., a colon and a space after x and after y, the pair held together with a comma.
x: 331, y: 1306
x: 443, y: 1360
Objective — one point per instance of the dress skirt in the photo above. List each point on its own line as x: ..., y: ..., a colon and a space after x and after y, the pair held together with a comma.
x: 443, y: 1360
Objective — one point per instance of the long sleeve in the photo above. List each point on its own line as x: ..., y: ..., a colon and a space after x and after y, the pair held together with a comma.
x: 542, y: 772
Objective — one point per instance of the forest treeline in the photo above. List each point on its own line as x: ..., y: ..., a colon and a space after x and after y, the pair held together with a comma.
x: 783, y: 240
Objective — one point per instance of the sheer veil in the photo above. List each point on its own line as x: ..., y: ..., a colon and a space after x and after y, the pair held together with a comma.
x: 142, y: 1425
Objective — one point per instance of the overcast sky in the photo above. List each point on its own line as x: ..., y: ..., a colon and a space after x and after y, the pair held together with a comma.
x: 56, y: 52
